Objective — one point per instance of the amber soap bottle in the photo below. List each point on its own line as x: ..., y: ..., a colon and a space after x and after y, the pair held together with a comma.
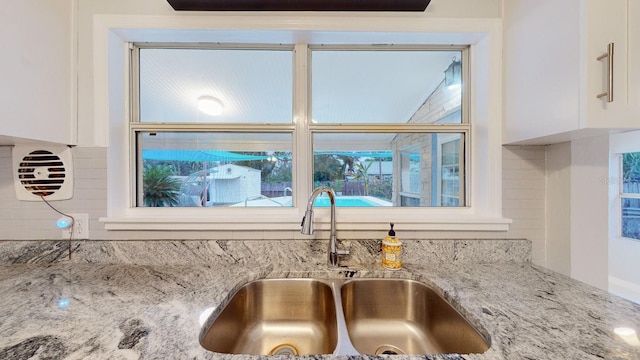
x: 391, y: 251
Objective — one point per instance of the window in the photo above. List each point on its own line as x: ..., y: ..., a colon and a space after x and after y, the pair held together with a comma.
x: 385, y: 127
x: 115, y: 121
x: 630, y: 195
x: 238, y: 155
x: 397, y: 103
x: 214, y: 169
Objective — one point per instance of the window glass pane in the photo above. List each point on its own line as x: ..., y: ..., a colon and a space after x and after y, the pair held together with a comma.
x: 410, y: 171
x: 178, y: 169
x: 404, y: 86
x: 391, y: 169
x: 450, y: 169
x: 631, y: 218
x: 253, y: 86
x: 630, y: 185
x: 631, y: 173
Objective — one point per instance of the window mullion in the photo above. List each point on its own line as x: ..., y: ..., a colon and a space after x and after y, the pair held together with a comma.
x: 302, y: 154
x: 194, y: 127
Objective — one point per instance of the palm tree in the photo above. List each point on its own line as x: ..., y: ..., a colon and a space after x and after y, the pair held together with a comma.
x: 631, y: 166
x: 347, y: 163
x: 362, y: 173
x: 159, y: 188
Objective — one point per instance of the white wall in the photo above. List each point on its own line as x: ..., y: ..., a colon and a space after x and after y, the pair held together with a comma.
x: 36, y: 70
x: 577, y: 206
x: 590, y: 210
x: 624, y: 274
x: 558, y: 216
x: 577, y: 210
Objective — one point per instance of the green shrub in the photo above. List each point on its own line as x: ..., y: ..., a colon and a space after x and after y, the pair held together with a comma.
x: 159, y: 188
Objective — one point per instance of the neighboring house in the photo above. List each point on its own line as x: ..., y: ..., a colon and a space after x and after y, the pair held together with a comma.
x: 429, y: 169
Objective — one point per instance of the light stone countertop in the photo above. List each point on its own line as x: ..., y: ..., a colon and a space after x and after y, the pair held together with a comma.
x: 89, y: 309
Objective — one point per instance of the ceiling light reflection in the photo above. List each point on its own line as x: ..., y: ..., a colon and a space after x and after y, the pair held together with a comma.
x: 628, y: 335
x: 210, y: 105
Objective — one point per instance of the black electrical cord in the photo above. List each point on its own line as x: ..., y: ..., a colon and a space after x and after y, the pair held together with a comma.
x: 73, y: 220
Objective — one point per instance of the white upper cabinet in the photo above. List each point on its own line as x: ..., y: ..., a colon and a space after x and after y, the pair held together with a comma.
x: 560, y: 82
x: 36, y: 72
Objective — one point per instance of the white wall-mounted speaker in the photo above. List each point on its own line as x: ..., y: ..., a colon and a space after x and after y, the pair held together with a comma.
x: 43, y: 172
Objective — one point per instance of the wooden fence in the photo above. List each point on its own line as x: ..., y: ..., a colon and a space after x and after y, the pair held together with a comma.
x: 349, y: 188
x: 276, y: 189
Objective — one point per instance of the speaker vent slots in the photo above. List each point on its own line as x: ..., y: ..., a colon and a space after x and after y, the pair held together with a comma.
x: 43, y: 172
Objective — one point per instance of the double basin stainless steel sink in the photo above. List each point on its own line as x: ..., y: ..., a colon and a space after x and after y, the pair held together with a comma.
x: 342, y: 317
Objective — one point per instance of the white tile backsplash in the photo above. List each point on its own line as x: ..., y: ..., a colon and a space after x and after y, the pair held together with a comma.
x: 523, y: 201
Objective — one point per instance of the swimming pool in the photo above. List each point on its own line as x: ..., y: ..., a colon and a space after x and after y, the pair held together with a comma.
x: 341, y: 201
x: 351, y: 201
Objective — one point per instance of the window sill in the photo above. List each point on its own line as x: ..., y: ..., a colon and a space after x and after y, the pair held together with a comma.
x: 265, y: 224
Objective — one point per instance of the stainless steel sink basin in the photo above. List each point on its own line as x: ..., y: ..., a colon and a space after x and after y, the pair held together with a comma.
x: 276, y: 316
x: 341, y: 317
x: 394, y: 316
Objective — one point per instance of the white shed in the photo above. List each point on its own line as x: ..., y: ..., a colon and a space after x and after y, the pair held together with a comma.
x: 233, y: 184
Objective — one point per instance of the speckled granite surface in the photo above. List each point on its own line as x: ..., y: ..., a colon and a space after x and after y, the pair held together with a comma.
x: 94, y: 307
x: 260, y: 251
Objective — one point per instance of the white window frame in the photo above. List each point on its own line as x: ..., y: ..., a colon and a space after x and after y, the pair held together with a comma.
x: 619, y: 144
x: 113, y: 34
x: 441, y: 142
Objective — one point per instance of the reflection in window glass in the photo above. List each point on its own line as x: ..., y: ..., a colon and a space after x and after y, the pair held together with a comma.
x: 393, y: 87
x: 390, y: 169
x: 411, y: 172
x: 410, y: 183
x: 252, y: 85
x: 214, y: 169
x: 631, y: 195
x: 450, y: 171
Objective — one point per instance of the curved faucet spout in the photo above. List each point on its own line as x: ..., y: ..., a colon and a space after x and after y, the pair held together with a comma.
x: 307, y: 222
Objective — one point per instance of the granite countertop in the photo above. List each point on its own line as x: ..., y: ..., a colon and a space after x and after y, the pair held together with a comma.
x: 80, y: 309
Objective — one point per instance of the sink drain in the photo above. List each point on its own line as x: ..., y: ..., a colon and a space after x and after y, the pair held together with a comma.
x: 388, y: 350
x: 285, y: 349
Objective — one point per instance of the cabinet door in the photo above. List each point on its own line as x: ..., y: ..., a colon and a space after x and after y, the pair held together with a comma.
x: 36, y: 70
x: 542, y: 68
x: 605, y: 23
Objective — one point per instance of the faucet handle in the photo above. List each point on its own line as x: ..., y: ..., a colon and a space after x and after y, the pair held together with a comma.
x: 343, y: 252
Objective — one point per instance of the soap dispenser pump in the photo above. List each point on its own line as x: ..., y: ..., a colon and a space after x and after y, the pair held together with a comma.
x: 391, y: 251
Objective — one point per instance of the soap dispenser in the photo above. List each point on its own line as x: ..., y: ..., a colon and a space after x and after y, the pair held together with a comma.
x: 391, y: 251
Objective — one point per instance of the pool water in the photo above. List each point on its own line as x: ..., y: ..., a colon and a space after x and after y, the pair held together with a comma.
x: 345, y: 202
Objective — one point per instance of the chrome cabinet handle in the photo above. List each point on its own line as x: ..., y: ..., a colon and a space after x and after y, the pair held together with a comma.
x: 609, y: 92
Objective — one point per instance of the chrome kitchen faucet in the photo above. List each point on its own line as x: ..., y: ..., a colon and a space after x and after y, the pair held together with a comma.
x: 307, y: 223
